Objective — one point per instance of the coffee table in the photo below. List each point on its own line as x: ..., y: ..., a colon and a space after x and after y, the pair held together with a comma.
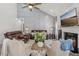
x: 38, y: 51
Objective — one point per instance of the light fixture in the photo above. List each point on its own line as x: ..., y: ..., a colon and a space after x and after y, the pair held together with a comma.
x: 30, y: 6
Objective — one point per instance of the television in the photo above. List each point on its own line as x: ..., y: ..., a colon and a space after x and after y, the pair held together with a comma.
x: 69, y: 18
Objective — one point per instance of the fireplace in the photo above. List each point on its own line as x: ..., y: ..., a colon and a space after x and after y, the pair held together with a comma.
x: 74, y: 37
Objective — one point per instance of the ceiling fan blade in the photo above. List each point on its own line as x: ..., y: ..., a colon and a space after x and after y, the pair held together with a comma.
x: 34, y: 4
x: 24, y: 6
x: 36, y: 7
x: 37, y: 3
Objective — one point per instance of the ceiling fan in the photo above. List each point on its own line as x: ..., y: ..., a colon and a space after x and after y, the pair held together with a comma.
x: 31, y: 5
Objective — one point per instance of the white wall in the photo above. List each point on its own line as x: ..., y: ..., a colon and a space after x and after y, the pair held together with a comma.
x: 8, y: 14
x: 40, y: 21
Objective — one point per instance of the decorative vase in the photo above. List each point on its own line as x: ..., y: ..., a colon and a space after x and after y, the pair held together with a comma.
x: 40, y: 44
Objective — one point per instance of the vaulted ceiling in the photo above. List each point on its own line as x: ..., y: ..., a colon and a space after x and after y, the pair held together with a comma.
x: 54, y: 9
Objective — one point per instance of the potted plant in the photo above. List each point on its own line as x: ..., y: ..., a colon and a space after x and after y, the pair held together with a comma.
x: 39, y: 38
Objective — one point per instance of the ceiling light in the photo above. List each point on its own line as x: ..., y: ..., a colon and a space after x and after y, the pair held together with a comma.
x: 30, y: 6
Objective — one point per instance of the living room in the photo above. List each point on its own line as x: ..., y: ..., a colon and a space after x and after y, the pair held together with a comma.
x: 28, y: 21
